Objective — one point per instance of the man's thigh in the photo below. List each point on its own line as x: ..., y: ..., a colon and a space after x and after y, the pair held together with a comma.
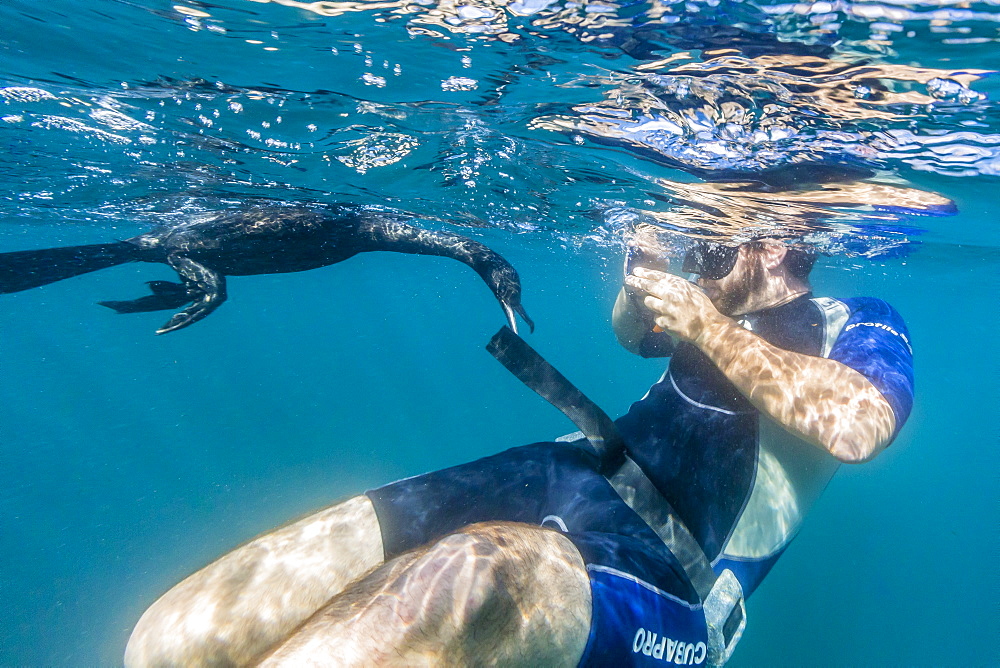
x: 501, y: 593
x: 490, y: 594
x: 640, y: 592
x: 240, y: 605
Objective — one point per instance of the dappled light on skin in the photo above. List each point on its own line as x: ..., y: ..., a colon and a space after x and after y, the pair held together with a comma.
x: 492, y: 594
x: 239, y: 606
x: 819, y: 400
x: 799, y: 391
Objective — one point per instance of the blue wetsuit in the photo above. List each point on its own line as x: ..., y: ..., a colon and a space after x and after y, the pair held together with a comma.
x: 740, y: 483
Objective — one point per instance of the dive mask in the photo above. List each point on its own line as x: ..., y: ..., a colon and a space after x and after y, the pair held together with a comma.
x: 710, y: 260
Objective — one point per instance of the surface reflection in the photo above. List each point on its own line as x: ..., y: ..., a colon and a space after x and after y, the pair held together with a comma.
x: 734, y: 114
x: 849, y: 217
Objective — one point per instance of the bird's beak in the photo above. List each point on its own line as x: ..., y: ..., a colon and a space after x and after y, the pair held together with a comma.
x: 509, y: 312
x: 519, y: 310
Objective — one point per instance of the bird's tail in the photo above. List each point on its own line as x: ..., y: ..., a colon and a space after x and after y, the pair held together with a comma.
x: 22, y: 270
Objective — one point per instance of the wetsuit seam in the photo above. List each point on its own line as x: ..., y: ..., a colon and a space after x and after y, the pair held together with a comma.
x: 699, y: 404
x: 642, y: 583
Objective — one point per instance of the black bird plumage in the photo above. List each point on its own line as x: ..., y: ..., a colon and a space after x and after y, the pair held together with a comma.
x: 206, y: 248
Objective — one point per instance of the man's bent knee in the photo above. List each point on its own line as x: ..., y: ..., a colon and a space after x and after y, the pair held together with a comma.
x: 492, y: 593
x: 525, y: 585
x: 543, y: 574
x: 239, y: 606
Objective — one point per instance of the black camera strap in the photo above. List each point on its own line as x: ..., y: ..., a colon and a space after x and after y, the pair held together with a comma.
x: 534, y: 371
x: 725, y: 613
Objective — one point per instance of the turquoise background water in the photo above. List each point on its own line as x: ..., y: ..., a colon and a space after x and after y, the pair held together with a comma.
x: 129, y: 460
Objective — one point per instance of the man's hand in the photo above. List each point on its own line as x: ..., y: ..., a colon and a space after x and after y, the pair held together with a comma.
x: 819, y: 400
x: 678, y: 306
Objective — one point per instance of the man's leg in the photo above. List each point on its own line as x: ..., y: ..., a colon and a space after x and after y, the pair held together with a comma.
x: 491, y: 594
x: 236, y: 608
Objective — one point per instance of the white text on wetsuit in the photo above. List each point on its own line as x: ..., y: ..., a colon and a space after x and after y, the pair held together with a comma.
x: 667, y: 649
x: 882, y: 326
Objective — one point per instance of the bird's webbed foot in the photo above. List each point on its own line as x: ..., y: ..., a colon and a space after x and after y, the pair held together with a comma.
x: 165, y: 295
x: 206, y: 287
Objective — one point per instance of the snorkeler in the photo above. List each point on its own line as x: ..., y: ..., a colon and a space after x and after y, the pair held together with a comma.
x: 538, y: 555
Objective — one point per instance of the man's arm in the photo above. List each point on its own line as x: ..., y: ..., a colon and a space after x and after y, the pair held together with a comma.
x: 819, y: 400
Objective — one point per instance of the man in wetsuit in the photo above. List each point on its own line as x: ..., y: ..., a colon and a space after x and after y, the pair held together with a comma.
x: 532, y: 557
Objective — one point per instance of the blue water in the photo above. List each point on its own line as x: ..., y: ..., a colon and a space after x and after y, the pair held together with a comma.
x: 129, y: 460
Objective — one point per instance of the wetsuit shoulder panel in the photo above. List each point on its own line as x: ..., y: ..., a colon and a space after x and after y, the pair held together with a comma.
x: 876, y: 344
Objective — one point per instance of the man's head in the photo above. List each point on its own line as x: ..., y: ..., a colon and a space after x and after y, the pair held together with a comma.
x: 749, y: 277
